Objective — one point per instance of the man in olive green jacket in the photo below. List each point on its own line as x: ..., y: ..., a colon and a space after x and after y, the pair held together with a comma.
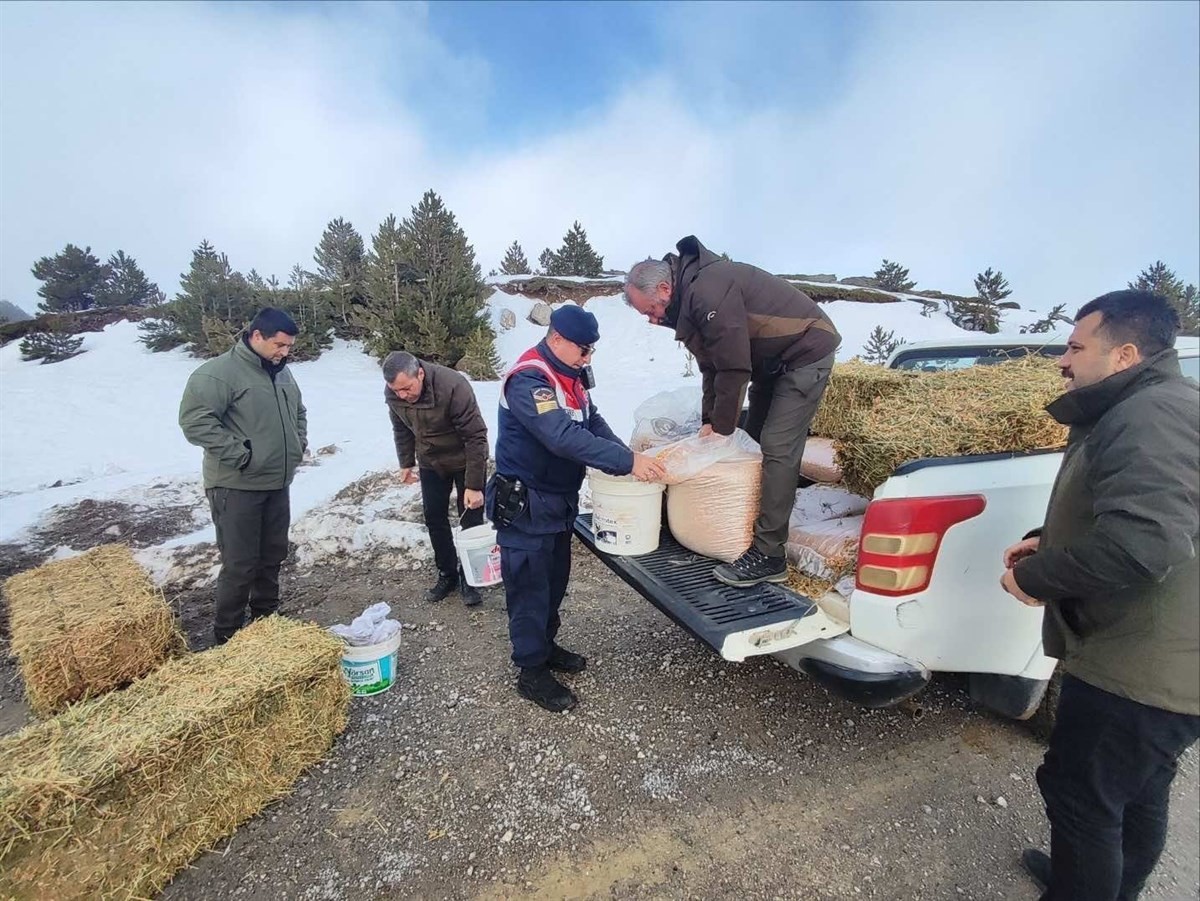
x: 1115, y: 565
x: 244, y: 409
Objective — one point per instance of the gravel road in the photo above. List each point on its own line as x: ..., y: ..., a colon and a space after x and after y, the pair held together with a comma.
x: 678, y: 776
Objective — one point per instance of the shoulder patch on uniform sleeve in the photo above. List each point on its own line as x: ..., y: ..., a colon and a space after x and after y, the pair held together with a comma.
x: 544, y: 400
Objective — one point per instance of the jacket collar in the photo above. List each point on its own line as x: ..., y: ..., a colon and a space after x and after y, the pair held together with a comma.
x: 685, y: 267
x: 1086, y: 405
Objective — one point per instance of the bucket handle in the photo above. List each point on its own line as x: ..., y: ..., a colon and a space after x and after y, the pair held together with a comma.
x: 482, y: 521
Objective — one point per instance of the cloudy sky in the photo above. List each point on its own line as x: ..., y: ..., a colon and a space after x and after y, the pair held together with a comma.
x: 1059, y: 143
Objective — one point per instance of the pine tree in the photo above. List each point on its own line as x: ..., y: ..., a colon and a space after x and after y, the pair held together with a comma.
x: 126, y: 284
x: 574, y: 257
x: 70, y: 280
x: 880, y: 346
x: 975, y: 314
x: 341, y: 271
x: 992, y: 286
x: 308, y: 305
x: 1047, y: 323
x: 435, y: 299
x: 514, y: 262
x: 386, y: 269
x: 1162, y: 280
x: 211, y: 292
x: 1189, y: 311
x: 893, y: 277
x: 50, y: 346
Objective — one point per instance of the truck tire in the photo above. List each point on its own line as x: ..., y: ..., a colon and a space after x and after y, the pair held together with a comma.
x: 1041, y: 724
x: 1014, y: 697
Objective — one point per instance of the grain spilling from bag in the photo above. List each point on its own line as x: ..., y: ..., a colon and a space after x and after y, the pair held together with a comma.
x: 86, y: 625
x: 112, y: 797
x: 979, y: 410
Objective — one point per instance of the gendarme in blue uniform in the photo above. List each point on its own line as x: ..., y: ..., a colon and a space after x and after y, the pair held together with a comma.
x: 549, y: 432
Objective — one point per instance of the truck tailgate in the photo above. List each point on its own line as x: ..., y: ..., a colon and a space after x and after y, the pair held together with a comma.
x: 735, y: 622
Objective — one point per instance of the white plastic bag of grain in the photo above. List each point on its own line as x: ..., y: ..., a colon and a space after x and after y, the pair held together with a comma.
x: 819, y: 503
x: 825, y: 550
x: 686, y: 459
x: 665, y: 417
x: 713, y: 493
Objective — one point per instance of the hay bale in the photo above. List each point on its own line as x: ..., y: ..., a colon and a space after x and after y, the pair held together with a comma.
x: 84, y: 626
x: 853, y: 387
x: 980, y: 410
x: 114, y: 796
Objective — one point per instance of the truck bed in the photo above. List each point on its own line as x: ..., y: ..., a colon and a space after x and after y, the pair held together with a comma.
x: 735, y: 622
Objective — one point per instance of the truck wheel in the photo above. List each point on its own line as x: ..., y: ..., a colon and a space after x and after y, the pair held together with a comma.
x: 1014, y: 697
x: 1041, y: 724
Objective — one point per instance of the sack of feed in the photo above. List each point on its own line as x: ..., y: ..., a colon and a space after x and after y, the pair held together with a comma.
x: 713, y: 494
x: 818, y: 503
x: 819, y: 462
x: 825, y: 550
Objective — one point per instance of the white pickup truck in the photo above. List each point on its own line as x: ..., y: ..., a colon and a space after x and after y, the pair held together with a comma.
x: 926, y: 596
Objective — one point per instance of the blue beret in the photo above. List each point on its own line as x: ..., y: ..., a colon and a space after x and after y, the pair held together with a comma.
x: 575, y: 324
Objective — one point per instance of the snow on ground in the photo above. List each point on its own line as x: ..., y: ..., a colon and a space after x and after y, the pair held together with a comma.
x: 102, y: 426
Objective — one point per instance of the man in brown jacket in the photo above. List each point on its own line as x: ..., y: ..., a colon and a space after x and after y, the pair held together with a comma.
x: 440, y: 434
x: 1115, y: 567
x: 746, y: 326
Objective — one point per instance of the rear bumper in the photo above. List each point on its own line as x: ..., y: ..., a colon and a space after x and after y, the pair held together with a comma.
x: 858, y: 671
x: 867, y: 689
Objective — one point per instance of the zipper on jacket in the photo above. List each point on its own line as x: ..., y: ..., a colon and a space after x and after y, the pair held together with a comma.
x: 283, y: 429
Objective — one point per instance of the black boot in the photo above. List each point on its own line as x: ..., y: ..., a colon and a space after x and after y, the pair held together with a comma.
x: 538, y: 685
x: 470, y: 594
x: 442, y: 588
x: 751, y: 568
x: 564, y: 661
x: 1037, y: 865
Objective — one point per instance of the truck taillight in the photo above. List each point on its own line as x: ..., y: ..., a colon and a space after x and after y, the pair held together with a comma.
x: 901, y: 538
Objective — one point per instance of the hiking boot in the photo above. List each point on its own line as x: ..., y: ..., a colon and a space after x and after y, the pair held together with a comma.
x: 1037, y: 865
x: 470, y: 594
x: 538, y: 685
x: 564, y: 661
x: 751, y: 568
x: 442, y: 588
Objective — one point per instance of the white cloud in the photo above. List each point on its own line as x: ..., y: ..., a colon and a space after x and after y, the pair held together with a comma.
x: 1060, y: 143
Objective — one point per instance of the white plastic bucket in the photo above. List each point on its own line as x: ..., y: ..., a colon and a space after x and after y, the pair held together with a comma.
x: 371, y: 669
x: 626, y: 513
x: 479, y: 554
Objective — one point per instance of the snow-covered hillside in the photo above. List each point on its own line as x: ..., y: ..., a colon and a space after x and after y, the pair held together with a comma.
x: 102, y: 425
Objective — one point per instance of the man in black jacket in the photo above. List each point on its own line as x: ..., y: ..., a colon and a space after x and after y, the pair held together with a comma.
x: 1115, y: 566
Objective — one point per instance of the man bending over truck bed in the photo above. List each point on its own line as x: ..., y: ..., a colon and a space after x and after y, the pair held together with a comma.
x: 744, y: 325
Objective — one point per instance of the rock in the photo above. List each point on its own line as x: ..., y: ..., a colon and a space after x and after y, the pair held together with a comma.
x: 114, y: 529
x: 540, y: 314
x: 859, y: 281
x: 820, y: 279
x: 507, y: 837
x: 508, y: 319
x: 327, y: 450
x: 1001, y: 801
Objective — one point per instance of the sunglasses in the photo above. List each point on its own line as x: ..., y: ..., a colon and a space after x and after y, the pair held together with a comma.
x: 586, y: 349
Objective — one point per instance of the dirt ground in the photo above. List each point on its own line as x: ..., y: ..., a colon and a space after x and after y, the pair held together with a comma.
x: 678, y: 776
